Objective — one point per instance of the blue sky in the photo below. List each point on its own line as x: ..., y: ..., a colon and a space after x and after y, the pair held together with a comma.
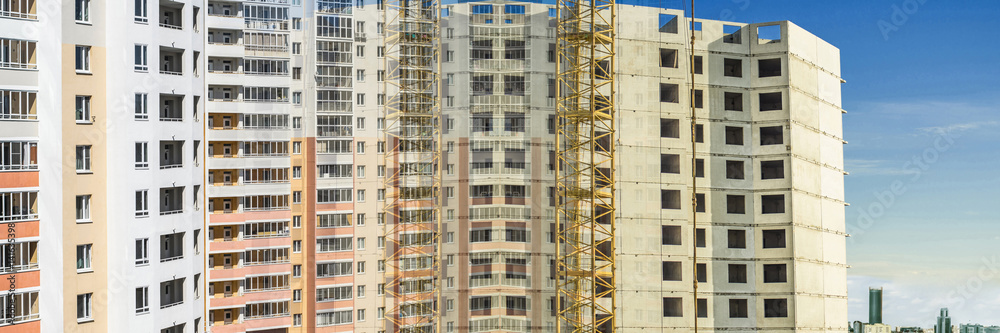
x: 924, y: 88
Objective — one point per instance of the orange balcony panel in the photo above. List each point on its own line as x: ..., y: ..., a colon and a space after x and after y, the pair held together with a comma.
x: 25, y: 229
x: 335, y: 280
x: 236, y: 245
x: 346, y: 255
x: 240, y: 300
x: 240, y: 272
x: 338, y: 328
x: 28, y: 279
x: 19, y: 179
x: 31, y: 326
x: 251, y: 216
x: 320, y: 306
x: 335, y: 206
x: 267, y: 323
x: 233, y: 328
x: 321, y: 232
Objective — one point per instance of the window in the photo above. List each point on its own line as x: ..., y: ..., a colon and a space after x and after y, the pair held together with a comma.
x: 297, y: 319
x: 296, y: 246
x: 699, y: 133
x: 142, y: 203
x: 736, y: 204
x: 668, y: 58
x: 738, y: 308
x: 296, y: 221
x: 771, y: 135
x: 296, y: 172
x: 83, y: 159
x: 83, y: 109
x: 296, y: 122
x: 702, y: 272
x: 83, y: 307
x: 83, y: 208
x: 698, y: 65
x: 296, y: 73
x: 380, y: 51
x: 141, y: 53
x: 141, y: 13
x: 361, y: 196
x: 141, y: 106
x: 737, y: 239
x: 670, y: 128
x: 774, y: 239
x: 702, y: 303
x: 772, y: 169
x: 775, y: 308
x: 360, y: 51
x: 699, y: 99
x: 296, y: 48
x: 772, y: 204
x: 141, y: 251
x: 672, y: 271
x: 770, y: 101
x: 775, y: 273
x: 734, y: 135
x: 671, y: 235
x: 297, y: 295
x: 769, y: 67
x: 449, y: 56
x: 670, y: 163
x: 361, y: 147
x: 142, y: 300
x: 83, y: 56
x: 361, y: 171
x: 699, y: 237
x: 734, y: 169
x: 141, y: 155
x: 737, y: 273
x: 361, y: 75
x: 83, y: 255
x: 361, y: 99
x: 297, y: 271
x: 732, y: 67
x: 733, y: 101
x: 670, y: 199
x: 673, y: 307
x: 699, y: 168
x: 296, y: 147
x: 83, y: 11
x: 700, y: 203
x: 669, y: 93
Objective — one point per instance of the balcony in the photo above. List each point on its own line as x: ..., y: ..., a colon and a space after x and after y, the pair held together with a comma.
x: 171, y: 61
x: 171, y: 247
x: 171, y: 200
x: 171, y: 107
x: 171, y: 293
x: 171, y: 154
x: 171, y: 15
x: 18, y: 206
x: 18, y: 9
x: 18, y: 105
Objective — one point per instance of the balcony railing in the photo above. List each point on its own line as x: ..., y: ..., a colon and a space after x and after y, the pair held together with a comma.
x: 164, y: 306
x: 18, y: 15
x: 19, y: 268
x: 171, y: 26
x: 172, y: 211
x: 172, y: 257
x: 170, y: 72
x: 172, y: 165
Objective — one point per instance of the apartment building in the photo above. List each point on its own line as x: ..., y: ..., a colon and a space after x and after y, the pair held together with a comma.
x: 101, y: 118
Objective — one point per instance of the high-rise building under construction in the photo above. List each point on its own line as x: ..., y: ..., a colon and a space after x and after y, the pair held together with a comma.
x: 321, y: 143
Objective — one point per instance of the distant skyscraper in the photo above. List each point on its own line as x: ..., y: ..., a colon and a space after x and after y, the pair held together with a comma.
x: 943, y: 322
x: 874, y: 306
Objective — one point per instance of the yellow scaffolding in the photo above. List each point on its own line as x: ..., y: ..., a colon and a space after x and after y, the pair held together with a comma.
x: 412, y: 135
x: 585, y: 177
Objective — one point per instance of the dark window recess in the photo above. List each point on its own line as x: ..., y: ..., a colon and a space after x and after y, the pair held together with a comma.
x: 670, y: 199
x: 698, y: 65
x: 603, y: 70
x: 769, y: 67
x: 736, y: 204
x: 734, y: 135
x: 770, y: 101
x: 774, y: 239
x: 699, y: 168
x: 775, y: 273
x: 699, y: 133
x: 734, y: 101
x: 732, y: 67
x: 702, y: 308
x: 673, y: 307
x: 670, y: 128
x: 668, y: 93
x: 775, y: 308
x: 731, y: 34
x: 513, y: 85
x: 737, y: 238
x: 551, y: 54
x: 668, y: 58
x: 702, y: 272
x: 699, y: 202
x: 738, y: 308
x: 672, y: 271
x: 670, y: 163
x: 772, y: 204
x: 737, y: 273
x: 771, y: 135
x: 772, y: 169
x: 699, y: 100
x: 671, y: 235
x: 550, y: 124
x: 482, y: 85
x: 699, y: 235
x: 734, y: 170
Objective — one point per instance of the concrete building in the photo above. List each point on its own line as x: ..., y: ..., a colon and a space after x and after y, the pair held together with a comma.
x: 291, y: 96
x: 874, y: 306
x: 878, y: 328
x: 943, y: 322
x: 101, y: 123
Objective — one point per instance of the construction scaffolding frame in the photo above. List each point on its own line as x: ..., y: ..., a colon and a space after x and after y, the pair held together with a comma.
x: 585, y: 177
x: 413, y: 194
